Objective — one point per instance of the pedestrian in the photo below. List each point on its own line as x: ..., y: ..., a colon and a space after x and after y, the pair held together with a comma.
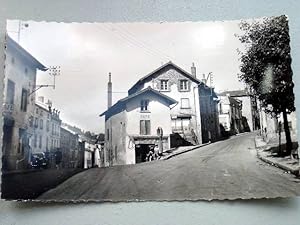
x: 58, y: 158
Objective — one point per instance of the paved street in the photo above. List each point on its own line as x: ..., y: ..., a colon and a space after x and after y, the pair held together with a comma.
x: 224, y: 170
x: 30, y: 184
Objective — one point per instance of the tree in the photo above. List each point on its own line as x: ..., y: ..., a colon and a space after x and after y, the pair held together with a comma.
x: 266, y: 67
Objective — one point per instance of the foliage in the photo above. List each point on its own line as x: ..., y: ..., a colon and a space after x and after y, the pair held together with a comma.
x: 266, y: 63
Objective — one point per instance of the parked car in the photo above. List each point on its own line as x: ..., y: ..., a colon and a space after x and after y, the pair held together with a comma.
x: 39, y: 160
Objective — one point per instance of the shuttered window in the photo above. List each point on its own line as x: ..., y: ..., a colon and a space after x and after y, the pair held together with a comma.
x: 145, y: 127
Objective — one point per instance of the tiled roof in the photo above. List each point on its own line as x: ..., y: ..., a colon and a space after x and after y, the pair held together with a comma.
x: 121, y: 103
x: 145, y: 78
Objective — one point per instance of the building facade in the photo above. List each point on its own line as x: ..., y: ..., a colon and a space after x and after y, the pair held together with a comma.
x: 19, y: 105
x: 70, y: 148
x: 45, y: 127
x: 230, y: 114
x: 135, y: 125
x: 195, y: 100
x: 249, y: 107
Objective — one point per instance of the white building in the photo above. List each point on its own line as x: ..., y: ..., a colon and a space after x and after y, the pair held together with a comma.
x: 19, y: 104
x: 195, y: 117
x: 230, y: 114
x: 131, y: 126
x: 46, y: 127
x: 249, y: 107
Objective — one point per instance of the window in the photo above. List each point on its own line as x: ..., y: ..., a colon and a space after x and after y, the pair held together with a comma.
x: 35, y: 141
x: 47, y: 144
x: 108, y: 134
x: 37, y: 111
x: 145, y: 105
x: 145, y: 127
x: 185, y: 103
x: 40, y: 142
x: 24, y: 100
x: 183, y: 85
x: 31, y: 121
x: 47, y: 125
x: 164, y: 85
x: 10, y: 92
x: 36, y: 122
x: 41, y: 124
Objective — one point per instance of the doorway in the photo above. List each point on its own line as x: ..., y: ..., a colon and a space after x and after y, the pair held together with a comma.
x: 141, y: 151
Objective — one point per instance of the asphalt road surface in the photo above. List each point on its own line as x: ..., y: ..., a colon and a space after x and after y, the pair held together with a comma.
x: 223, y: 170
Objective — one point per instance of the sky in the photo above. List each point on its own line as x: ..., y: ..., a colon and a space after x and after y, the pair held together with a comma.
x: 87, y: 52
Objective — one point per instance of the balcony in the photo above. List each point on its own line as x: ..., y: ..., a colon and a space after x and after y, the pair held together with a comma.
x: 8, y: 109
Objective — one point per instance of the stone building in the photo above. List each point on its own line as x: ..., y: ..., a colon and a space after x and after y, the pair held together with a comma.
x: 70, y: 148
x: 230, y: 114
x: 195, y: 117
x: 19, y: 104
x: 169, y: 102
x: 45, y: 127
x: 249, y: 107
x: 132, y: 124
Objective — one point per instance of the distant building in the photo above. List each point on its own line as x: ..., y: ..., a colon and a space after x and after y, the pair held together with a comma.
x: 230, y: 114
x: 19, y: 105
x: 249, y: 107
x: 133, y: 125
x: 45, y: 127
x: 70, y: 148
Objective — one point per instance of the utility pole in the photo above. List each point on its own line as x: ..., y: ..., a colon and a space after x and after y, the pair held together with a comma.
x: 53, y: 71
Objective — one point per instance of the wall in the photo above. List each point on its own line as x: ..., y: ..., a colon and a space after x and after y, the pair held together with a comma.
x: 174, y: 75
x: 247, y: 110
x: 16, y: 72
x: 115, y: 148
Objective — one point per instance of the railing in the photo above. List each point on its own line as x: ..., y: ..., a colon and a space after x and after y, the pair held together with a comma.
x: 8, y: 108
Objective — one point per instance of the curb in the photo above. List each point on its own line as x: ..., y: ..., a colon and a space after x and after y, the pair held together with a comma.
x: 187, y: 150
x: 283, y: 167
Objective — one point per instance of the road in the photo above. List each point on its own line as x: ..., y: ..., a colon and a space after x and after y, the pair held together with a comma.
x: 223, y: 170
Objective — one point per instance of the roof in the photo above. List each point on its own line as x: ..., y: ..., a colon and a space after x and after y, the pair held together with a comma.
x: 236, y: 93
x: 148, y: 76
x: 68, y: 130
x: 11, y: 44
x: 42, y: 105
x: 120, y: 105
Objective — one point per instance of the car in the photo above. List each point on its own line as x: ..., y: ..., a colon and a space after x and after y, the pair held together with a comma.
x: 38, y: 160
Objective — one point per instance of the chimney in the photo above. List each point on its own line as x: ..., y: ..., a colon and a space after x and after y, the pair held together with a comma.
x: 204, y: 79
x: 109, y: 91
x: 193, y: 70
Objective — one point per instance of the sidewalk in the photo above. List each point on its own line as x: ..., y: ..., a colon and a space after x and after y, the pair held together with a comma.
x: 266, y: 154
x: 180, y: 150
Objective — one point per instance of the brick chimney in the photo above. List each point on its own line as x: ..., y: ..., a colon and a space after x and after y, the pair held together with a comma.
x: 109, y: 92
x: 193, y: 70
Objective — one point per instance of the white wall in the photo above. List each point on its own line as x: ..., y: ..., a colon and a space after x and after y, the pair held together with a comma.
x: 174, y: 76
x: 15, y: 71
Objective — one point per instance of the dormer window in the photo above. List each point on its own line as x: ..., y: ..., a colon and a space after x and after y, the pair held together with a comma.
x: 144, y: 105
x: 164, y: 85
x: 184, y: 85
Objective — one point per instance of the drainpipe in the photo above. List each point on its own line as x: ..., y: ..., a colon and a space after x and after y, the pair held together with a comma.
x: 196, y: 113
